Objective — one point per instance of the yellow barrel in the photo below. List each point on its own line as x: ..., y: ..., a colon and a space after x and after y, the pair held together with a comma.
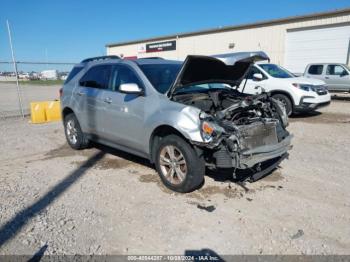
x: 38, y: 112
x: 53, y: 111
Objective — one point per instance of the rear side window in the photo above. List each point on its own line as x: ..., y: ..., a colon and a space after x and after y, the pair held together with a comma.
x: 315, y: 69
x: 97, y: 77
x: 73, y: 73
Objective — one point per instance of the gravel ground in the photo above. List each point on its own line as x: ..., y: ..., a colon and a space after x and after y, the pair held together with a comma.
x: 102, y: 201
x: 9, y: 105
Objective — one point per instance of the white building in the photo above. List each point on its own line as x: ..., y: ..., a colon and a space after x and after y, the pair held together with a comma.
x: 292, y: 42
x: 49, y: 75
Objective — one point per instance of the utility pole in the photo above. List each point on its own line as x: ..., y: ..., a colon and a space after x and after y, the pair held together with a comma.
x: 46, y: 59
x: 16, y: 72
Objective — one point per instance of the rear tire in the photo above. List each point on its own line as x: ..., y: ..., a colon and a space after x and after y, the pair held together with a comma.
x: 178, y: 165
x: 74, y: 135
x: 286, y: 101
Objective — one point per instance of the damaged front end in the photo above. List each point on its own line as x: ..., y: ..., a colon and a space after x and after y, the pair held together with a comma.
x: 246, y: 134
x: 238, y: 131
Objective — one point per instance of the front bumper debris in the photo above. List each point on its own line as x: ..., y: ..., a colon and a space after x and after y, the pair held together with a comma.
x: 256, y: 176
x: 250, y: 158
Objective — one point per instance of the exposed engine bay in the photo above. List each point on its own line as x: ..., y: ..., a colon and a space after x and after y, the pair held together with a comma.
x: 241, y: 131
x: 230, y: 108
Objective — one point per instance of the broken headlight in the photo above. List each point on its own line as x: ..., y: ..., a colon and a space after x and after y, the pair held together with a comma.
x: 210, y: 130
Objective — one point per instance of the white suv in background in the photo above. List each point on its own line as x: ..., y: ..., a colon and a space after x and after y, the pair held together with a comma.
x: 298, y: 94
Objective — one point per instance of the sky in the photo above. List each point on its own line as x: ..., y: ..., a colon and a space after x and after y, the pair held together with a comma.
x: 70, y: 30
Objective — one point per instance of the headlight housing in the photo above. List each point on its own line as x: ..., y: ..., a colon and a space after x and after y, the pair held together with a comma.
x: 304, y: 87
x: 210, y: 130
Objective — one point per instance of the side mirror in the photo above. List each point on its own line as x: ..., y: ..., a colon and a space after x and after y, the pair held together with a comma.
x: 257, y: 77
x: 130, y: 88
x: 344, y: 73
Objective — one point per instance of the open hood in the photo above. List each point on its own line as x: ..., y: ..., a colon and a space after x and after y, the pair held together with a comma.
x: 226, y: 68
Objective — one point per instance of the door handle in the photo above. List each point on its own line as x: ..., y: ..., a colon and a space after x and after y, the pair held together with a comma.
x: 326, y: 77
x: 80, y: 93
x: 107, y: 100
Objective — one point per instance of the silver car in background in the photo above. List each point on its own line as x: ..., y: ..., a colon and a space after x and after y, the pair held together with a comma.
x: 336, y: 76
x: 182, y: 116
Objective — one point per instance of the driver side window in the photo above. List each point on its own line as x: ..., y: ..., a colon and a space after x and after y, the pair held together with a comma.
x: 336, y: 70
x: 123, y: 75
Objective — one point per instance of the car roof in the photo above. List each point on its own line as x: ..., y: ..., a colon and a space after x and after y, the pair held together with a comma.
x: 154, y: 61
x: 326, y: 64
x: 139, y: 61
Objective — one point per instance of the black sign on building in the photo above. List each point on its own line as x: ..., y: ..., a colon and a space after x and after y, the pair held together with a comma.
x: 161, y: 46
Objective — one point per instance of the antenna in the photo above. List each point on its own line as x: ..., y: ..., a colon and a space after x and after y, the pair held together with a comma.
x: 46, y: 59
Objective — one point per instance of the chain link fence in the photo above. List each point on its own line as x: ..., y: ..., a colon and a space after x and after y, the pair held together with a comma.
x: 37, y: 81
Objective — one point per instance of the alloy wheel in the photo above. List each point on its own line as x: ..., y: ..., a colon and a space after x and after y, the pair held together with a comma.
x: 173, y: 164
x: 72, y: 132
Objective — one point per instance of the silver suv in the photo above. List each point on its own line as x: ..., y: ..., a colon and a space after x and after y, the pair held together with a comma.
x: 182, y: 116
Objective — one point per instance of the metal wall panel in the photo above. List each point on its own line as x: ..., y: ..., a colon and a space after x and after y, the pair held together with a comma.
x: 269, y: 38
x: 323, y: 44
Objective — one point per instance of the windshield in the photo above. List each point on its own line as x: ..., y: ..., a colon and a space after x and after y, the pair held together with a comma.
x: 202, y: 88
x: 161, y: 76
x: 276, y: 71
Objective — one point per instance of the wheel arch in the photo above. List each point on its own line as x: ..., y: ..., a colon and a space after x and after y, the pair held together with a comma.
x: 282, y: 92
x: 66, y: 111
x: 157, y: 134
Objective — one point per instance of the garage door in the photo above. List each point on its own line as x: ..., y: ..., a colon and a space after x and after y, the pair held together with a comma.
x: 316, y: 45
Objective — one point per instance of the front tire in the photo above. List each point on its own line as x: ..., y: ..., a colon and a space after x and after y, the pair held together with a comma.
x: 178, y: 165
x: 74, y: 135
x: 286, y: 102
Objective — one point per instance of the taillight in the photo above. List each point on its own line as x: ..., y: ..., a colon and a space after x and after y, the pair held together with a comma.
x: 61, y: 92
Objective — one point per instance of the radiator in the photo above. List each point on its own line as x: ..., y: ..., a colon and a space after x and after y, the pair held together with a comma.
x: 258, y: 134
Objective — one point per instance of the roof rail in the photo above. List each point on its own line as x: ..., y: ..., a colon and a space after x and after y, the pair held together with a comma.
x: 152, y: 57
x: 100, y: 58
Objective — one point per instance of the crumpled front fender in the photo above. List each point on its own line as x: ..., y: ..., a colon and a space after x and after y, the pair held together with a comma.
x: 184, y: 119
